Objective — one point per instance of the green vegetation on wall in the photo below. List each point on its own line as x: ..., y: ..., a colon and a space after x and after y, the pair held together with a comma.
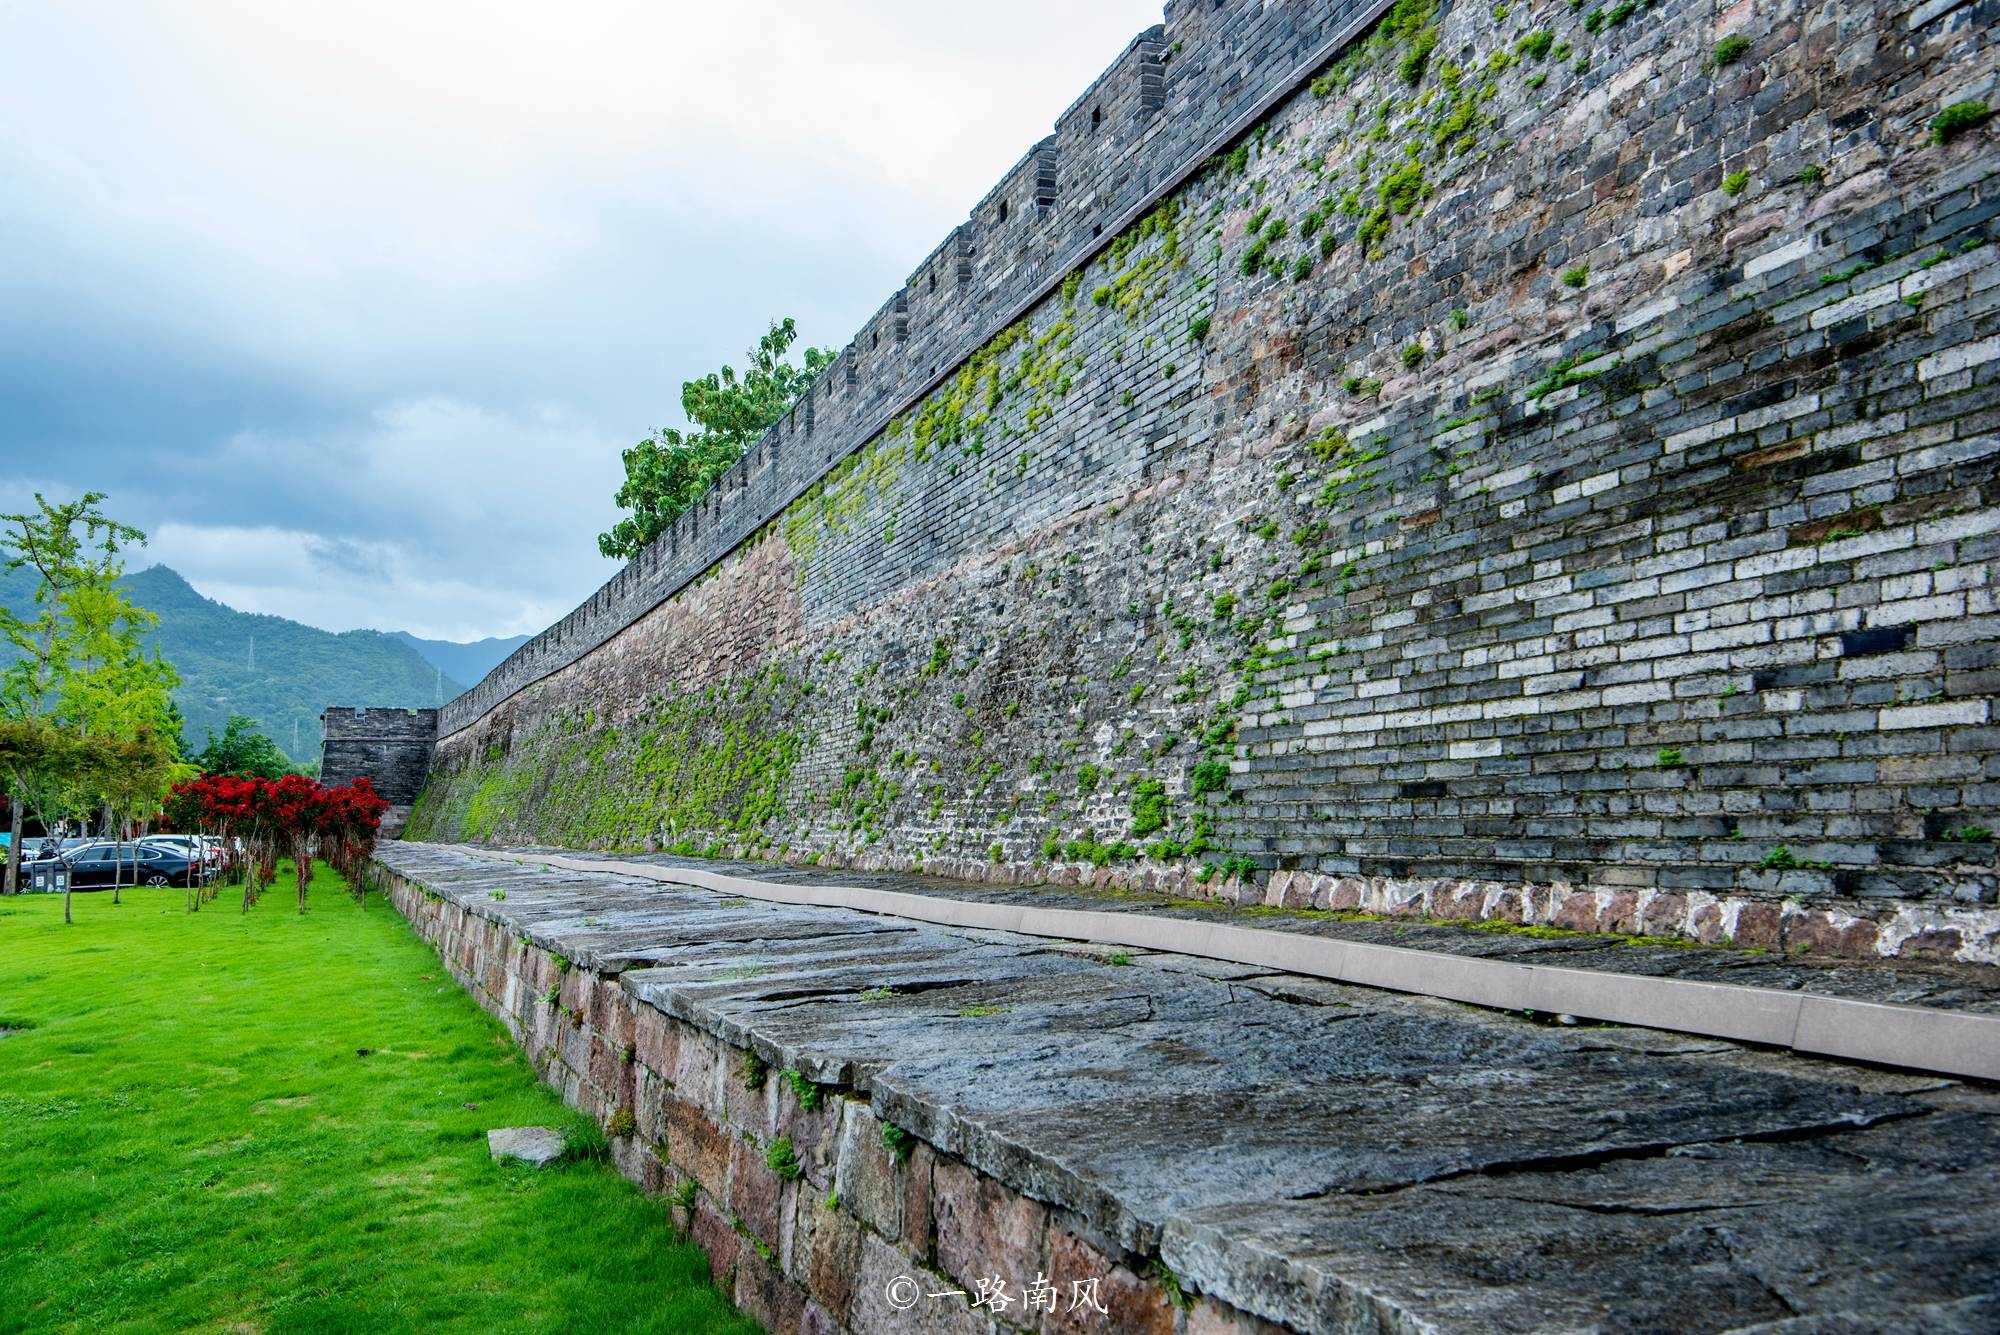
x: 714, y: 762
x: 1048, y: 723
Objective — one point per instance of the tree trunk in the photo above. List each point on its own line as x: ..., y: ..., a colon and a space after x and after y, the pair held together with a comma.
x: 41, y: 690
x: 13, y: 882
x: 227, y: 867
x: 117, y: 832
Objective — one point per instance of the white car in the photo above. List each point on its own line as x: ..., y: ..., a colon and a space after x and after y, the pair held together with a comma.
x: 210, y: 850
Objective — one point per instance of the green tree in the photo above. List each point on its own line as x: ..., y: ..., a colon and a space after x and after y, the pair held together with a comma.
x: 111, y: 686
x: 177, y: 731
x: 118, y: 699
x: 38, y: 761
x: 669, y: 470
x: 138, y: 772
x: 72, y: 547
x: 242, y: 749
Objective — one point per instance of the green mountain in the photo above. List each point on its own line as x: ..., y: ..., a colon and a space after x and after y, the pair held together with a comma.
x: 469, y: 660
x: 278, y: 672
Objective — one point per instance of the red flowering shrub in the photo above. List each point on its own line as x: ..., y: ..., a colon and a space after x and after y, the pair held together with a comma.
x: 293, y: 814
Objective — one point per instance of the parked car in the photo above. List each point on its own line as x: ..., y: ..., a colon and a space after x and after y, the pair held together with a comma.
x: 94, y: 867
x: 196, y: 847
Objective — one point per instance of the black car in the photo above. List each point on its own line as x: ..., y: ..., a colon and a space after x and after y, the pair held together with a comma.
x: 93, y: 867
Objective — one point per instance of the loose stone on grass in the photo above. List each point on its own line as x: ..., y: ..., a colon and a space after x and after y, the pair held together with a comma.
x: 536, y: 1146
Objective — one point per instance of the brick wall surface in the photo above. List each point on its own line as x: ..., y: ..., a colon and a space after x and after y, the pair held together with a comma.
x: 1542, y: 470
x: 1162, y: 106
x: 389, y: 747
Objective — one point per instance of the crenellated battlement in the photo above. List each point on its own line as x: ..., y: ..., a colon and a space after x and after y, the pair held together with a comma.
x: 390, y: 747
x: 1175, y: 95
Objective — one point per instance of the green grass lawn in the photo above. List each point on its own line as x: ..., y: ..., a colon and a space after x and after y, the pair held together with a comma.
x: 189, y: 1142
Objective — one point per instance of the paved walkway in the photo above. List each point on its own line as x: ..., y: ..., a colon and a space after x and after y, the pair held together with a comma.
x: 1336, y: 1157
x: 1902, y: 982
x: 1940, y: 1019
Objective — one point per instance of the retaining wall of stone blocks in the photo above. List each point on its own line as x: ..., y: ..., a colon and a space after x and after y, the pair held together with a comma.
x: 692, y: 1117
x: 1543, y: 470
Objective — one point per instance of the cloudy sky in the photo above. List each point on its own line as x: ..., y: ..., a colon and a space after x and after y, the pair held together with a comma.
x: 352, y: 305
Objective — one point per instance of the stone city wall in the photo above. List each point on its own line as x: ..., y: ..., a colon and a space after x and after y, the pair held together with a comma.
x: 390, y: 747
x: 1541, y: 469
x: 1180, y: 91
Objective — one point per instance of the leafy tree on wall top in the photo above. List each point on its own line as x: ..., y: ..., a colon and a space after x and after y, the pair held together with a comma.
x: 668, y: 471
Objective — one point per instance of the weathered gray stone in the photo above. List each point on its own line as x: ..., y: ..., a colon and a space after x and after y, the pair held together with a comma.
x: 866, y: 1177
x: 536, y: 1146
x: 1902, y: 982
x: 1715, y: 1237
x: 913, y: 1308
x: 1316, y: 1154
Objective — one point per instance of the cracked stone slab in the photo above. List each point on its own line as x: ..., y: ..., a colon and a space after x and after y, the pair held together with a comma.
x: 1941, y: 1037
x: 1327, y: 1155
x: 1889, y: 1229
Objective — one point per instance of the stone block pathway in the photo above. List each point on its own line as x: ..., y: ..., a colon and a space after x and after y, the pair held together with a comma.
x: 1334, y: 1157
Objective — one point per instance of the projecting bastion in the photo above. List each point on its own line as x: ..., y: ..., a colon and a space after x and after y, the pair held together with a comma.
x: 1529, y: 467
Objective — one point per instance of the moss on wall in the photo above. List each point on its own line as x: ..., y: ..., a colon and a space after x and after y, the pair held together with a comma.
x: 714, y: 763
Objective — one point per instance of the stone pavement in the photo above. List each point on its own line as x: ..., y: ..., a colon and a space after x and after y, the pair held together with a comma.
x: 1903, y: 981
x: 1331, y: 1157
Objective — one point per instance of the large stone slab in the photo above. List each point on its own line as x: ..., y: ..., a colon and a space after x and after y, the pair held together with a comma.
x: 1323, y: 1155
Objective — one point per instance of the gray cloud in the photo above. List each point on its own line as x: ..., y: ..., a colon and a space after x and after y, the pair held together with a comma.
x: 353, y: 307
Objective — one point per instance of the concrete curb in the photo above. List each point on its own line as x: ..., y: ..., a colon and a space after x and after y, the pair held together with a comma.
x: 1913, y: 1037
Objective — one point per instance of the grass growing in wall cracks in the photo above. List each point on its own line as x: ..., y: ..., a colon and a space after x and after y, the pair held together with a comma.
x: 231, y: 1162
x: 808, y: 1094
x: 782, y: 1159
x: 1958, y: 118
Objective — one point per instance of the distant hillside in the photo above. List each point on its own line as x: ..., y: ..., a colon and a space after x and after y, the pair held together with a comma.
x: 297, y: 670
x: 467, y: 662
